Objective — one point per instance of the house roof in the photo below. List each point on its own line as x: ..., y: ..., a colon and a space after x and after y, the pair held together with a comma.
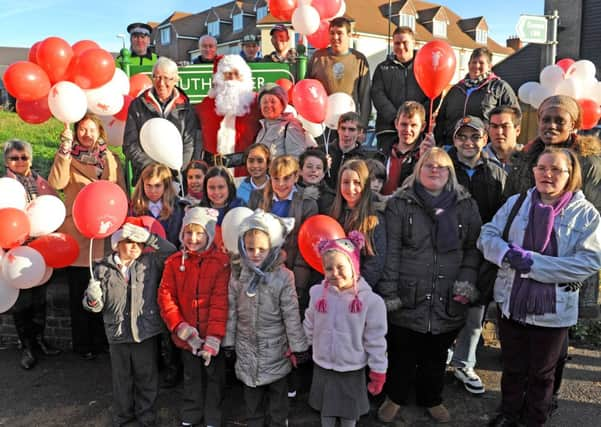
x: 471, y: 24
x: 9, y: 55
x: 521, y: 67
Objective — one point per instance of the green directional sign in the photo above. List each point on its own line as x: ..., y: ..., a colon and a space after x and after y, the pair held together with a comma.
x: 532, y: 29
x: 195, y: 80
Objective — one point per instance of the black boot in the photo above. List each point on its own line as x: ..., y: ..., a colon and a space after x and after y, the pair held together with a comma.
x: 28, y: 359
x: 45, y: 348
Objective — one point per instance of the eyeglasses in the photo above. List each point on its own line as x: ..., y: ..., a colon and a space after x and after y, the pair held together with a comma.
x: 541, y: 170
x: 431, y: 168
x: 474, y: 137
x: 23, y: 158
x: 164, y: 79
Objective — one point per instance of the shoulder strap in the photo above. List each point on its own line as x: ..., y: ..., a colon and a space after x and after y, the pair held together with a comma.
x: 514, y: 211
x: 285, y: 133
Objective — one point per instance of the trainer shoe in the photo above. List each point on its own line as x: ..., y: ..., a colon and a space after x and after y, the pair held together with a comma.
x: 388, y: 411
x: 471, y: 381
x: 439, y: 413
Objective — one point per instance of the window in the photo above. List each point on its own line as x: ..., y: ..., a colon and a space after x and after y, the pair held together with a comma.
x: 261, y: 12
x: 439, y: 28
x: 481, y: 36
x: 213, y: 28
x: 165, y: 35
x: 407, y: 21
x: 238, y: 22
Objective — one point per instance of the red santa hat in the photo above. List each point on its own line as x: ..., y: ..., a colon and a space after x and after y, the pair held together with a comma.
x: 233, y: 62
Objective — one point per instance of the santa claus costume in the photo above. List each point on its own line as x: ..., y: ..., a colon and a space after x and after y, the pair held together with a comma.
x: 229, y: 116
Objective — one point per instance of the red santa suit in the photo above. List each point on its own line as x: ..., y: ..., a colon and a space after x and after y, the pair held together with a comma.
x: 227, y: 134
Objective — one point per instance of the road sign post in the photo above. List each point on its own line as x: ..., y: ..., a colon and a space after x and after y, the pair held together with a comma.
x: 532, y: 29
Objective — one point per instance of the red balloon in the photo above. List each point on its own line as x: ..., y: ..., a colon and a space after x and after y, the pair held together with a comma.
x: 83, y: 45
x: 99, y: 209
x: 26, y: 81
x: 591, y: 113
x: 92, y: 68
x: 58, y: 249
x: 282, y: 9
x: 327, y: 8
x: 122, y: 114
x: 34, y: 112
x: 33, y: 52
x: 321, y: 38
x: 54, y: 55
x: 310, y: 100
x: 311, y: 232
x: 138, y: 83
x: 14, y: 227
x: 565, y: 63
x: 434, y: 66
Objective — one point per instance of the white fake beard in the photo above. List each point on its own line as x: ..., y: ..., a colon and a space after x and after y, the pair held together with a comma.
x: 233, y: 98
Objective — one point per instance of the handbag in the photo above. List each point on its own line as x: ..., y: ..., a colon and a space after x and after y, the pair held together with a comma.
x: 487, y: 274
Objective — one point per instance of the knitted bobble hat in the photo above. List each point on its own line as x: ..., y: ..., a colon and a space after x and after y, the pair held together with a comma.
x: 351, y: 248
x: 206, y: 218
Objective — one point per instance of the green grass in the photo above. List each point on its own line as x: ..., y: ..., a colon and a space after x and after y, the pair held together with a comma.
x: 44, y: 139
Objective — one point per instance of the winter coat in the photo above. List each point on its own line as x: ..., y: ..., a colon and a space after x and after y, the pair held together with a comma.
x: 264, y: 327
x: 393, y: 84
x: 197, y: 295
x: 417, y: 274
x: 578, y: 234
x: 145, y: 107
x: 325, y: 196
x: 303, y: 205
x: 71, y: 175
x: 479, y: 102
x: 283, y: 136
x: 172, y: 224
x: 338, y: 158
x: 129, y: 309
x: 485, y: 184
x: 343, y: 341
x: 588, y: 149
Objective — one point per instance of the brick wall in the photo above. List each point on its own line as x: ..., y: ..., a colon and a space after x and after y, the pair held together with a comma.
x: 58, y: 322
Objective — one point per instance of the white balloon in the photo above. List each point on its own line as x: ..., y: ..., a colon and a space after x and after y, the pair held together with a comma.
x: 67, y: 102
x: 105, y: 100
x: 526, y: 90
x: 570, y: 87
x: 115, y: 129
x: 304, y: 2
x: 551, y: 76
x: 12, y: 194
x: 47, y: 273
x: 8, y: 295
x: 313, y: 129
x: 596, y: 93
x: 342, y: 9
x: 582, y: 70
x: 538, y: 95
x: 305, y: 20
x: 162, y: 141
x: 290, y: 109
x: 120, y: 81
x: 23, y: 267
x: 46, y: 213
x: 338, y: 103
x: 230, y: 227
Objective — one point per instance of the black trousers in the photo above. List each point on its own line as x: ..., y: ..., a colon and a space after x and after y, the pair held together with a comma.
x: 87, y: 329
x: 29, y: 314
x: 135, y: 382
x: 203, y: 389
x: 272, y: 396
x: 416, y: 359
x: 530, y: 356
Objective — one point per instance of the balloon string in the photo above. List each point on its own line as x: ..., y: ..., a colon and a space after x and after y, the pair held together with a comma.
x: 430, y: 116
x: 326, y: 143
x: 90, y: 259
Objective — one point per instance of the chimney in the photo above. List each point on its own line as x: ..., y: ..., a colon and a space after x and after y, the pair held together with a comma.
x: 514, y: 42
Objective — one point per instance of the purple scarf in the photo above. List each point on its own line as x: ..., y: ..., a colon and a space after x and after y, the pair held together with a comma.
x: 442, y: 209
x: 529, y: 296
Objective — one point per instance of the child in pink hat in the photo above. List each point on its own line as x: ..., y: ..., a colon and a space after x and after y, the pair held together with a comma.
x: 346, y: 324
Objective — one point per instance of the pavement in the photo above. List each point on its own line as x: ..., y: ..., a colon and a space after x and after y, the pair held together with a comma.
x: 69, y: 391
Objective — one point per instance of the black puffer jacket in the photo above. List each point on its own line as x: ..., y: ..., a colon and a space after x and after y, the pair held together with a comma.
x: 419, y: 276
x: 145, y: 107
x: 338, y: 158
x: 394, y: 83
x: 479, y: 102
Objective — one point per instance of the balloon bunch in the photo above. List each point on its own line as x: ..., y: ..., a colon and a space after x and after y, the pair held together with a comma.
x: 309, y: 17
x: 65, y: 81
x: 567, y: 77
x: 27, y: 233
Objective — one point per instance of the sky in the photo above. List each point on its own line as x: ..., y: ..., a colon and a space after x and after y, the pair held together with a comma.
x: 23, y: 22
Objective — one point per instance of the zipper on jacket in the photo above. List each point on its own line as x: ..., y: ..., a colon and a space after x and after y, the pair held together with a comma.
x: 432, y: 294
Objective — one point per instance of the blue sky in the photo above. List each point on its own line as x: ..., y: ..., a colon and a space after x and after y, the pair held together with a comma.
x: 23, y: 22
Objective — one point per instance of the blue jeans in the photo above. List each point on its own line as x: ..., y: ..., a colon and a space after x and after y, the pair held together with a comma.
x: 464, y: 355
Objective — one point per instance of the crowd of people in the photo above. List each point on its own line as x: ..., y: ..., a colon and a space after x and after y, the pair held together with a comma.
x: 437, y: 226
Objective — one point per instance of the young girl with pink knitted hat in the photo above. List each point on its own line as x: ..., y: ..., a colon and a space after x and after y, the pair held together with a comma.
x: 346, y: 324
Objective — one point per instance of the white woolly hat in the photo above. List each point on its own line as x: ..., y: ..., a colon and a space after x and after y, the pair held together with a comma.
x: 205, y: 217
x: 275, y: 227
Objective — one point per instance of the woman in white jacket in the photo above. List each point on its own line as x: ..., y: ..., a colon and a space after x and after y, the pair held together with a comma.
x: 554, y: 242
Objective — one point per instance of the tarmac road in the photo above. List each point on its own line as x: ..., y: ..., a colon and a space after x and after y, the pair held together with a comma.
x: 69, y: 391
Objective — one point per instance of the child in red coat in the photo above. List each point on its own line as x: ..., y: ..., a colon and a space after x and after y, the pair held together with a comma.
x: 194, y: 304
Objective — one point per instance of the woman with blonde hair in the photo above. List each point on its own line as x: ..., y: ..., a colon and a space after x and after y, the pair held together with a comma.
x: 357, y: 208
x: 432, y: 224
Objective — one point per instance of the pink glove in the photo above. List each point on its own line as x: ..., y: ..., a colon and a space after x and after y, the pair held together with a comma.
x: 376, y: 383
x: 188, y: 333
x: 290, y: 355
